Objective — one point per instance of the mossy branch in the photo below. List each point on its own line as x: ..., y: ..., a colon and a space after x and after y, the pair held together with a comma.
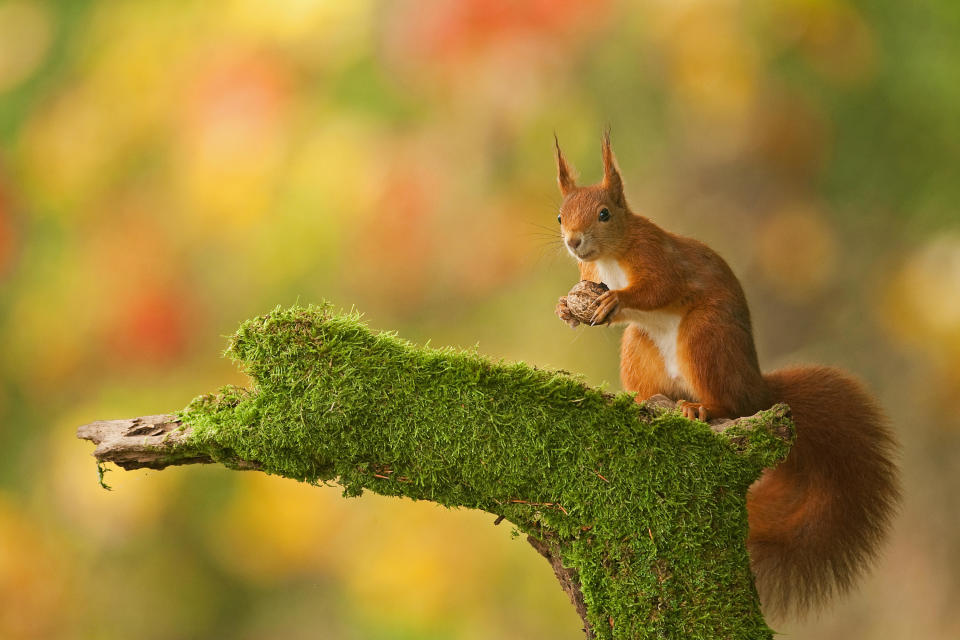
x: 640, y: 510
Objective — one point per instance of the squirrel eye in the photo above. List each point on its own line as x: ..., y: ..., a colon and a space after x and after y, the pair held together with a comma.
x: 559, y: 220
x: 604, y: 215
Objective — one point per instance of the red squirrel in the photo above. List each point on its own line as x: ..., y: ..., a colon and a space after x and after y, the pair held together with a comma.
x: 816, y: 520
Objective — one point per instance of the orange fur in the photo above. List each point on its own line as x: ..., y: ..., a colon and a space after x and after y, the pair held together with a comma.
x: 816, y: 520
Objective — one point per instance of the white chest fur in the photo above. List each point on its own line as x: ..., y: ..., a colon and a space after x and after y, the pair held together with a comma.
x: 661, y: 326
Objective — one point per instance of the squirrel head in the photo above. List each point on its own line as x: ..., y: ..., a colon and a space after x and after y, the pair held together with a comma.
x: 594, y: 219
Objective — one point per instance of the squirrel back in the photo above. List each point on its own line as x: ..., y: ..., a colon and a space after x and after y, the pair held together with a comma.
x: 817, y: 520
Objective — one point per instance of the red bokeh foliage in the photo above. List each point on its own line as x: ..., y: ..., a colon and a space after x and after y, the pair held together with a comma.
x: 7, y: 232
x: 462, y: 27
x: 151, y: 326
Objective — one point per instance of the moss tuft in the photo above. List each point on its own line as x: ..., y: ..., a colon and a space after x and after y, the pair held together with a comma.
x: 648, y: 507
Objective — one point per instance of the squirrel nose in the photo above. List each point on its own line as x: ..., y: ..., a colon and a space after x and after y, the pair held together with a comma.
x: 573, y: 243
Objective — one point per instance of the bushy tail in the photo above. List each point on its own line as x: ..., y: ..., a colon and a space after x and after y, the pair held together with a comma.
x: 817, y: 520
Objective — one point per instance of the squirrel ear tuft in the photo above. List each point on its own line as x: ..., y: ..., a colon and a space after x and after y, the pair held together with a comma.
x: 611, y: 174
x: 564, y: 173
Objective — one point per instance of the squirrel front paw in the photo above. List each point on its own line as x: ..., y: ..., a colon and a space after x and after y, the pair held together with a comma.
x: 607, y: 306
x: 582, y: 303
x: 563, y: 311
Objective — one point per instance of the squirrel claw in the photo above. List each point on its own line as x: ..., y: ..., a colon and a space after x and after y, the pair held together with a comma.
x: 693, y: 410
x: 607, y: 305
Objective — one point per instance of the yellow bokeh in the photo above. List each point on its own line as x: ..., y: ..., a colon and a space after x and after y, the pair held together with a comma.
x: 924, y: 310
x: 322, y: 33
x: 69, y: 149
x: 274, y: 528
x: 712, y: 65
x: 416, y: 564
x: 32, y: 577
x: 26, y: 33
x: 832, y: 34
x: 797, y: 251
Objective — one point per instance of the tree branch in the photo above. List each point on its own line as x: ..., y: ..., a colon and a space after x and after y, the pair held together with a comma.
x: 640, y: 512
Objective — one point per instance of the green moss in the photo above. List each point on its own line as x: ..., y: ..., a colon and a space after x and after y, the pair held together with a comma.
x: 650, y: 508
x: 101, y: 471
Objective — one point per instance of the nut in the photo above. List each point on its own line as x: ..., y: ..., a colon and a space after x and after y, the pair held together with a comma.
x: 582, y: 299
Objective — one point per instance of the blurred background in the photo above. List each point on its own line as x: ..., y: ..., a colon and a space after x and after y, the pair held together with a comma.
x: 168, y: 169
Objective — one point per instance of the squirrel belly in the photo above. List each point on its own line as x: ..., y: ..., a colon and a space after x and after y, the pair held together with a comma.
x: 816, y: 521
x: 660, y: 326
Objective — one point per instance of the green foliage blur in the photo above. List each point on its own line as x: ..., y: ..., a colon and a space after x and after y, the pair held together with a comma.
x: 169, y: 169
